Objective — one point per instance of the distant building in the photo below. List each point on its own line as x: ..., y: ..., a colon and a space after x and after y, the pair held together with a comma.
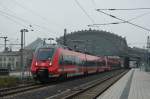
x: 37, y: 43
x: 11, y: 59
x: 96, y: 42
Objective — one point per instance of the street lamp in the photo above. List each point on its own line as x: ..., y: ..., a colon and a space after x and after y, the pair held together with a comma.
x: 44, y: 40
x: 5, y: 41
x: 21, y: 50
x: 23, y: 37
x: 50, y: 40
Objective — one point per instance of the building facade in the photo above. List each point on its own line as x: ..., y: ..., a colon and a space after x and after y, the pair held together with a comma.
x: 11, y: 59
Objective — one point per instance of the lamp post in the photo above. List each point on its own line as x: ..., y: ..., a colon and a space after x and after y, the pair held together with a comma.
x: 50, y: 40
x: 21, y: 50
x: 148, y: 53
x: 5, y: 42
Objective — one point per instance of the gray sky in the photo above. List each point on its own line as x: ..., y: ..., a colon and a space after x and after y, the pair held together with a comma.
x: 50, y: 17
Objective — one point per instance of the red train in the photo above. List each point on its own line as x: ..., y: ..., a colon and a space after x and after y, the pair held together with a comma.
x: 54, y: 61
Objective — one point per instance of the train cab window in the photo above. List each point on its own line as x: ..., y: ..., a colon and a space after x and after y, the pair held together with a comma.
x: 45, y: 53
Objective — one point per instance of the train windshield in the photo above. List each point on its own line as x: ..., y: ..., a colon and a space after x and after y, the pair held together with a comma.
x: 45, y: 53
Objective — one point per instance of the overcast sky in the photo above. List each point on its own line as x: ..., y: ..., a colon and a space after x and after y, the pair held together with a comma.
x: 49, y: 17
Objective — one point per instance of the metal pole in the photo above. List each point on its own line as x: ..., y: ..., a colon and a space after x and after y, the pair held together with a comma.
x: 21, y: 50
x: 5, y: 43
x: 24, y: 40
x: 85, y: 49
x: 64, y: 41
x: 148, y: 51
x: 44, y: 41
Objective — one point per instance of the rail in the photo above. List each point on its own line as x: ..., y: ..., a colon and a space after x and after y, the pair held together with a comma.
x: 94, y: 88
x: 18, y: 89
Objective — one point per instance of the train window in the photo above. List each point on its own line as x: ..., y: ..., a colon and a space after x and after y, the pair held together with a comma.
x: 70, y: 60
x: 45, y: 53
x: 101, y: 63
x: 78, y: 61
x: 90, y: 63
x: 67, y: 60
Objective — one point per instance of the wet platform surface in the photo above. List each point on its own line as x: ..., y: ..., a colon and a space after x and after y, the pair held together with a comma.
x: 134, y: 85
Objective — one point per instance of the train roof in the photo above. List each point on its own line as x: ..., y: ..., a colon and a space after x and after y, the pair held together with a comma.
x: 49, y: 46
x: 55, y: 46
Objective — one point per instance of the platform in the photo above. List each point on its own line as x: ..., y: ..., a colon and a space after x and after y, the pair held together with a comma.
x: 134, y: 85
x: 19, y: 73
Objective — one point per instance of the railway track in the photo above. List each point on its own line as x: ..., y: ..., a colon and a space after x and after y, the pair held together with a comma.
x: 31, y: 90
x: 18, y: 89
x: 92, y: 89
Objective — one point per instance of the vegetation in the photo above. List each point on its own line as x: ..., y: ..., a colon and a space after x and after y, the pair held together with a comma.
x: 8, y: 81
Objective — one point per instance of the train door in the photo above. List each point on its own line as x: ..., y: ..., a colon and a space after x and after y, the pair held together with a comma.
x: 61, y: 63
x: 62, y: 73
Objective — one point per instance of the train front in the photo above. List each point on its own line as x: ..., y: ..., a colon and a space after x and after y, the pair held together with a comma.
x: 43, y: 63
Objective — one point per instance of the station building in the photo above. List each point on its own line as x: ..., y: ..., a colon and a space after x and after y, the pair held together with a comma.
x: 11, y: 59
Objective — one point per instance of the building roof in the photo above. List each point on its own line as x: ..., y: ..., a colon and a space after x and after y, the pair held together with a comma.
x: 96, y: 42
x: 32, y: 46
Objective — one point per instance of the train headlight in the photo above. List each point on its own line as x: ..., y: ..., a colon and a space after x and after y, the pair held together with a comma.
x: 36, y: 63
x: 50, y: 64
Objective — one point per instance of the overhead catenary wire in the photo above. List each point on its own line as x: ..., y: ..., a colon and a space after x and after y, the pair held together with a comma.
x: 126, y: 9
x: 6, y: 8
x: 35, y: 13
x: 89, y: 17
x: 120, y: 22
x: 38, y: 15
x: 139, y: 16
x: 12, y: 17
x: 123, y: 20
x: 19, y: 20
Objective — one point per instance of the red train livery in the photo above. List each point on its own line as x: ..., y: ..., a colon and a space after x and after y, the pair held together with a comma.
x: 54, y: 61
